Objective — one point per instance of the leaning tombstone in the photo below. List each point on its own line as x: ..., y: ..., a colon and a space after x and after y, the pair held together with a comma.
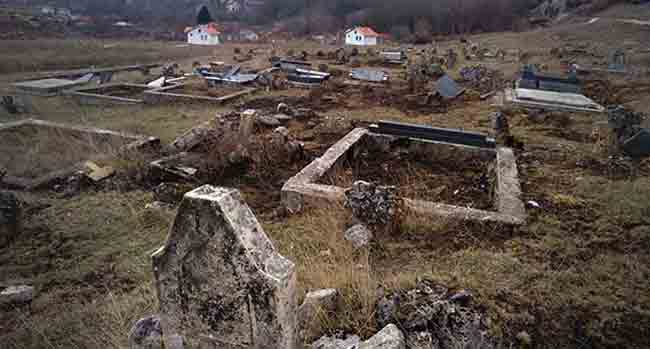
x: 220, y: 281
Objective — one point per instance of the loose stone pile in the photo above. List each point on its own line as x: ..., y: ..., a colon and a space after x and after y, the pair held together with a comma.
x: 372, y: 204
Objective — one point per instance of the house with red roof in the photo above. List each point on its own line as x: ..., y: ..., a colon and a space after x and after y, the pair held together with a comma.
x: 204, y: 34
x: 362, y: 36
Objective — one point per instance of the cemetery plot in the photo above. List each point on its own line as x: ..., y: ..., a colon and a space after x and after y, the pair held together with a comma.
x: 116, y: 93
x: 445, y: 177
x: 196, y: 92
x: 36, y: 152
x: 462, y: 193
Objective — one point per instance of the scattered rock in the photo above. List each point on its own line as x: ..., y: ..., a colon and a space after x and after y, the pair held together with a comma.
x: 347, y: 342
x: 11, y: 216
x: 316, y: 305
x: 386, y: 310
x: 282, y: 108
x: 268, y: 121
x: 16, y: 295
x: 282, y: 131
x: 171, y: 193
x: 97, y: 173
x: 304, y: 113
x: 388, y: 338
x: 462, y: 297
x: 433, y: 317
x: 220, y: 279
x: 359, y: 235
x: 524, y: 338
x: 146, y: 334
x: 158, y: 205
x: 283, y: 118
x: 372, y: 204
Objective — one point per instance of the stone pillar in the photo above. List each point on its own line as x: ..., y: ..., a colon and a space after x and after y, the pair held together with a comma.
x: 220, y: 281
x: 246, y: 125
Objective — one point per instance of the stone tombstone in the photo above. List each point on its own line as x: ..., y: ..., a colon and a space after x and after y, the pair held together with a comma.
x: 617, y: 60
x: 11, y: 214
x: 219, y: 279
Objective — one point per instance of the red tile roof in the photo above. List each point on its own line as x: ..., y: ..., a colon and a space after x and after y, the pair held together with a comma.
x: 210, y: 28
x: 365, y: 31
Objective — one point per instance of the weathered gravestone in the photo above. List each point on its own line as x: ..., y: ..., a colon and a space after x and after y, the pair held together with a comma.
x: 11, y: 214
x: 220, y: 281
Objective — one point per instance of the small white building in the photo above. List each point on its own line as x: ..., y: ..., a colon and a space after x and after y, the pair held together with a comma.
x: 362, y: 36
x: 205, y: 34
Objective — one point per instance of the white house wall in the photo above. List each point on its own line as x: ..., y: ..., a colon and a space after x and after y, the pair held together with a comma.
x: 353, y: 38
x: 202, y: 38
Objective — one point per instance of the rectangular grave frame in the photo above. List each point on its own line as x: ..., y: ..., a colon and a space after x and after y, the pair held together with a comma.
x: 511, y: 98
x: 303, y: 188
x: 46, y: 87
x: 164, y: 95
x: 137, y: 143
x: 93, y: 95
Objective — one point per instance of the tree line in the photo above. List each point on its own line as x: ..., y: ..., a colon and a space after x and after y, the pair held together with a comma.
x: 402, y: 18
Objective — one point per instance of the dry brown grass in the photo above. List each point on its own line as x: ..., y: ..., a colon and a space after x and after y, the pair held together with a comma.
x: 32, y: 151
x: 89, y: 260
x: 54, y: 54
x: 324, y: 259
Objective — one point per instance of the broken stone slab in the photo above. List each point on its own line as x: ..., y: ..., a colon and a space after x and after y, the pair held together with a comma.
x: 207, y: 133
x: 268, y: 121
x: 146, y: 333
x: 11, y: 215
x: 97, y: 173
x: 16, y: 295
x: 315, y: 306
x: 359, y: 235
x: 219, y: 279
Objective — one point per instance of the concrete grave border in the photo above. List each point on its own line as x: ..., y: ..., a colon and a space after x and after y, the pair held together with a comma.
x: 93, y: 95
x: 164, y: 95
x: 511, y: 98
x: 303, y: 187
x: 137, y: 143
